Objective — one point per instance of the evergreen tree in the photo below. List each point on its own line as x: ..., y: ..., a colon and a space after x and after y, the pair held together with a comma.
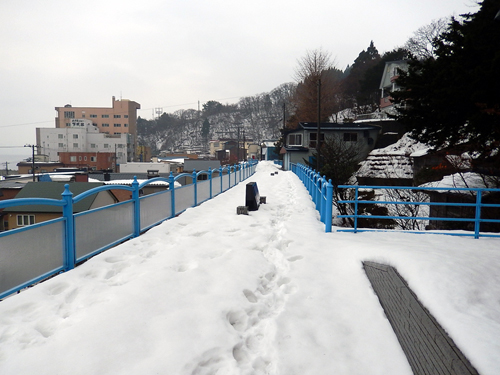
x: 351, y: 85
x: 454, y: 98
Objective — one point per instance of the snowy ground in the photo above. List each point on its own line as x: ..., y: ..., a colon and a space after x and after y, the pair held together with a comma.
x: 212, y: 292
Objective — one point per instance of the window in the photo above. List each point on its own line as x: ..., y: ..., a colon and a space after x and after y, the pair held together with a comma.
x: 120, y: 145
x: 350, y: 137
x: 115, y: 133
x: 117, y: 116
x: 79, y: 158
x: 117, y: 125
x: 75, y: 145
x: 93, y: 158
x: 313, y: 137
x: 125, y: 116
x: 69, y: 114
x: 23, y: 220
x: 125, y: 125
x: 119, y: 154
x: 93, y: 116
x: 92, y: 145
x: 72, y: 158
x: 106, y: 145
x: 68, y: 124
x: 105, y: 125
x: 85, y: 158
x: 75, y: 136
x: 60, y: 136
x: 104, y: 116
x: 295, y: 140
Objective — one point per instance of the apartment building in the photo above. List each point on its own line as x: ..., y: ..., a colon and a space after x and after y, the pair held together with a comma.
x: 120, y: 119
x: 81, y: 138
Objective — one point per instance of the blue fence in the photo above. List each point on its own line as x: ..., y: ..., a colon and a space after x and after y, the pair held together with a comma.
x: 320, y: 190
x: 321, y: 193
x: 35, y: 252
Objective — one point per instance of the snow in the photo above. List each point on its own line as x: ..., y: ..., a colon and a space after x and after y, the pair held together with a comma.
x: 212, y: 292
x: 393, y: 161
x: 465, y: 180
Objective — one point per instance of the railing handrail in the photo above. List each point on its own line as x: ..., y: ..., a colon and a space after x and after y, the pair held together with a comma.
x: 68, y: 215
x: 314, y: 184
x: 428, y: 188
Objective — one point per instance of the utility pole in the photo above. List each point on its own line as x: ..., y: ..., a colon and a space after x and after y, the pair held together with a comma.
x: 284, y: 115
x: 238, y: 147
x: 32, y: 159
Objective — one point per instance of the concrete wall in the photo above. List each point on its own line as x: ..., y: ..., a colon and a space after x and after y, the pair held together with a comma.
x: 144, y: 167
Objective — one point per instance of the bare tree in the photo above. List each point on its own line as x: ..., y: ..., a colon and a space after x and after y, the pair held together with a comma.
x: 339, y: 162
x: 407, y: 210
x: 314, y: 67
x: 421, y: 44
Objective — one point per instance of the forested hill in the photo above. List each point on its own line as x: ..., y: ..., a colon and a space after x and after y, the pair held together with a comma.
x: 256, y: 117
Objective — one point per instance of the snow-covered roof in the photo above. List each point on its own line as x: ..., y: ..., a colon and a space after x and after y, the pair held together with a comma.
x: 392, y: 161
x: 464, y: 180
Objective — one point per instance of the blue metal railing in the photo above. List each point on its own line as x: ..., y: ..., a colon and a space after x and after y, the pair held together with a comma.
x: 477, y: 206
x: 320, y: 190
x: 321, y: 193
x: 230, y: 174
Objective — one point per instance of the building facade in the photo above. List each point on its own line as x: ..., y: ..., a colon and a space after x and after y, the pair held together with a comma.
x: 120, y: 119
x: 80, y: 137
x: 388, y: 83
x: 92, y: 161
x: 300, y: 146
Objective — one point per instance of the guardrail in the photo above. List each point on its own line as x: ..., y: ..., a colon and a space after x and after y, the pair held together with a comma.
x: 321, y: 192
x: 35, y: 252
x: 477, y: 206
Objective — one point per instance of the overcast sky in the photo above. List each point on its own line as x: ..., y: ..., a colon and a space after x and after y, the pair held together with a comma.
x: 174, y: 53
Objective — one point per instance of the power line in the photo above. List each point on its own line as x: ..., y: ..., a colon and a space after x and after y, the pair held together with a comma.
x: 27, y: 123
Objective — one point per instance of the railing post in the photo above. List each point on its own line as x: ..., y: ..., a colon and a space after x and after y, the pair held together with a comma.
x: 137, y: 208
x: 195, y: 182
x: 322, y: 204
x: 172, y: 194
x: 310, y: 183
x: 70, y: 251
x: 328, y: 208
x: 477, y: 220
x: 355, y: 209
x: 316, y: 192
x: 210, y: 179
x: 221, y: 177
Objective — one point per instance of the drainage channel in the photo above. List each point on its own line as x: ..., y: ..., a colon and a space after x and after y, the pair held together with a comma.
x: 427, y: 346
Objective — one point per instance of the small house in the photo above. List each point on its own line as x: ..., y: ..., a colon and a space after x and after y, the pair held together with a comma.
x: 300, y: 143
x: 20, y: 216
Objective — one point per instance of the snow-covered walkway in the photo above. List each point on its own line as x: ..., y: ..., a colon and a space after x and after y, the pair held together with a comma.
x: 212, y: 292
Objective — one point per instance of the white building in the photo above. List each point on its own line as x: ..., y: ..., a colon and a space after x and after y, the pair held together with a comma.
x: 81, y: 136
